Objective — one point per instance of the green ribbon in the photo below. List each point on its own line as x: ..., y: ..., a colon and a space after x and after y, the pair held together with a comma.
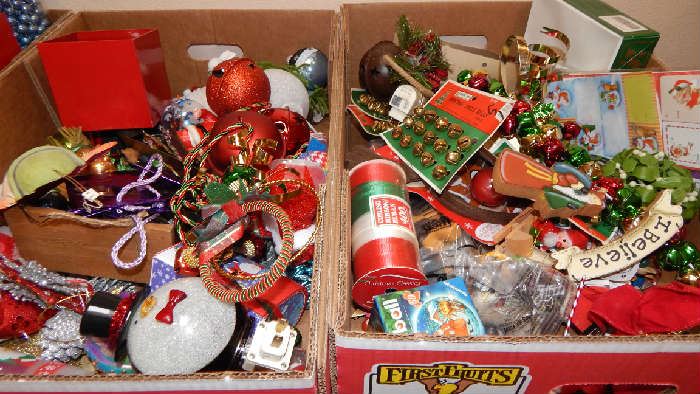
x: 682, y: 257
x: 652, y: 175
x: 578, y: 155
x: 464, y: 76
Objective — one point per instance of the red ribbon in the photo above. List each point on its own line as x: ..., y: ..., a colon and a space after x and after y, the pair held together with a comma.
x: 166, y: 314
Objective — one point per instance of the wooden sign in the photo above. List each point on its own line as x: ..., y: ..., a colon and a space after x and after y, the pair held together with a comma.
x: 662, y: 221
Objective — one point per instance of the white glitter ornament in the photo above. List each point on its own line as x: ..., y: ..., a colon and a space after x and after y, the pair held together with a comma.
x: 287, y: 91
x: 201, y: 328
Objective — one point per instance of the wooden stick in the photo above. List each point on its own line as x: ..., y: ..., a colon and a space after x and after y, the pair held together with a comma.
x: 403, y: 73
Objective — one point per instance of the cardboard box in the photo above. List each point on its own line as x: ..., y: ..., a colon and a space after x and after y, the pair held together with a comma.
x: 109, y: 79
x: 72, y: 244
x: 383, y: 363
x: 602, y: 38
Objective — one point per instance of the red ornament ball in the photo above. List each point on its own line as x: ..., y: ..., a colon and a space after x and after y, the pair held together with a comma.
x: 294, y: 128
x: 509, y: 125
x: 482, y: 190
x: 479, y: 81
x: 262, y: 146
x: 570, y: 130
x: 236, y: 83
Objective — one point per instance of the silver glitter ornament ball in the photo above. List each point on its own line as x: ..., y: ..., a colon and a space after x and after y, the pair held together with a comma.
x: 313, y: 64
x: 201, y: 328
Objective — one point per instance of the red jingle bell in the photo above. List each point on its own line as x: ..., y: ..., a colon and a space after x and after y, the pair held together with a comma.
x: 479, y: 81
x: 257, y: 148
x: 236, y: 83
x: 294, y: 128
x: 509, y: 125
x: 482, y: 190
x: 521, y: 106
x: 553, y: 150
x: 570, y: 130
x: 610, y: 184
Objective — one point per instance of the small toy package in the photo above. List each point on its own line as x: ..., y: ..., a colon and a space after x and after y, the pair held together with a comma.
x: 443, y: 308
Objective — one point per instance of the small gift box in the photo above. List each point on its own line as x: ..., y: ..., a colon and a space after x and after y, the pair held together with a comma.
x: 111, y: 79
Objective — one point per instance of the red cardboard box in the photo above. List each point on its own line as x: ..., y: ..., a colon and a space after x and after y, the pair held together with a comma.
x: 9, y: 47
x: 110, y: 79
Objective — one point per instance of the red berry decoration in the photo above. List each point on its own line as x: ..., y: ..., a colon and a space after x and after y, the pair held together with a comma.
x: 480, y: 82
x: 481, y: 187
x: 509, y: 125
x: 570, y: 130
x: 258, y: 148
x: 521, y: 106
x: 236, y: 83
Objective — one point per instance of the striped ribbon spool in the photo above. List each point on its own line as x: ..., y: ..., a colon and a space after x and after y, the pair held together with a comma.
x: 384, y: 243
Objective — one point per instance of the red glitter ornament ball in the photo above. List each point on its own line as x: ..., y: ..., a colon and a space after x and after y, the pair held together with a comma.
x: 294, y: 128
x: 262, y: 146
x: 300, y: 203
x: 236, y: 83
x: 481, y: 187
x: 612, y: 185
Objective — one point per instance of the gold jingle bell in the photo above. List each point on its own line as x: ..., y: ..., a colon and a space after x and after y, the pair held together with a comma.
x: 464, y: 142
x: 417, y: 149
x: 419, y: 128
x: 442, y: 123
x: 418, y: 111
x: 691, y: 278
x: 396, y: 132
x: 454, y: 131
x: 453, y: 157
x: 429, y: 138
x: 429, y: 115
x: 409, y: 121
x: 406, y: 141
x: 427, y: 159
x: 593, y: 169
x: 551, y: 130
x: 440, y: 172
x: 440, y: 145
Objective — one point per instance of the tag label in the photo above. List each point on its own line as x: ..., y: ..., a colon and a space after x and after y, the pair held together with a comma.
x: 390, y: 210
x: 663, y: 221
x: 623, y: 23
x: 447, y: 377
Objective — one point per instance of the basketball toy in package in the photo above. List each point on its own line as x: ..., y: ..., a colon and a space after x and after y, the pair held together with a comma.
x: 443, y: 308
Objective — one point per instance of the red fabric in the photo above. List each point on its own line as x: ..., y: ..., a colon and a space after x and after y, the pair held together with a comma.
x: 18, y: 317
x: 589, y: 295
x: 660, y: 309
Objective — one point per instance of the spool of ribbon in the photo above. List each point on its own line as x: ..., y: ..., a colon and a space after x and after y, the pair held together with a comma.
x: 384, y: 243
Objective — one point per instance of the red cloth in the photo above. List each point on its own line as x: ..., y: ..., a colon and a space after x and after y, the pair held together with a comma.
x: 589, y: 295
x: 660, y: 309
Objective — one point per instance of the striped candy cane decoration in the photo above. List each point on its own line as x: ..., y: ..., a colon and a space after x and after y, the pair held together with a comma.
x: 573, y: 308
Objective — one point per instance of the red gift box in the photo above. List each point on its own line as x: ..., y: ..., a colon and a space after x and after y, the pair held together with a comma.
x: 111, y: 79
x: 9, y: 46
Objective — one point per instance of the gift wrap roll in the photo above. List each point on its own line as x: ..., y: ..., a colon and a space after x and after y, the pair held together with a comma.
x: 384, y: 244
